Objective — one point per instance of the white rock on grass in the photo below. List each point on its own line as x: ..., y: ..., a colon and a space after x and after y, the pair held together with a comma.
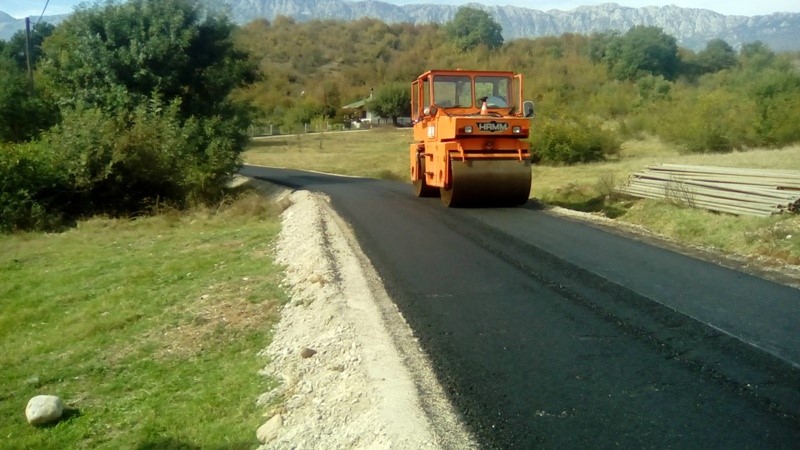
x: 269, y: 430
x: 44, y: 409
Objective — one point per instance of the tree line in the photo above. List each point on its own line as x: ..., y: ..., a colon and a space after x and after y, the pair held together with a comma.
x: 591, y: 91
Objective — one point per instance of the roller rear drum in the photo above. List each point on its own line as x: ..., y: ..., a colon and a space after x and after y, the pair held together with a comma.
x: 494, y: 182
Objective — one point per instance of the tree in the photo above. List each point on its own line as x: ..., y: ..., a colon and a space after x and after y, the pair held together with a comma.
x: 641, y: 51
x: 599, y: 44
x: 393, y: 100
x: 471, y: 27
x: 144, y: 74
x: 172, y: 49
x: 756, y: 55
x: 15, y: 48
x: 717, y: 55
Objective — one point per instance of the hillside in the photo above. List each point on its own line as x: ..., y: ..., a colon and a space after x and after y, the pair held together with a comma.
x: 692, y: 27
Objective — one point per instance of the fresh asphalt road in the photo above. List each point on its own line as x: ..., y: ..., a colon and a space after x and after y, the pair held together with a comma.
x: 550, y: 333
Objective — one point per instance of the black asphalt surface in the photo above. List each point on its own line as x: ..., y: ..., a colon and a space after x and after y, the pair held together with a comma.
x: 550, y: 333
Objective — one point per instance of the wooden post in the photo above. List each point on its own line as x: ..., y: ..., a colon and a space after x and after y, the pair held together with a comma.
x: 28, y: 49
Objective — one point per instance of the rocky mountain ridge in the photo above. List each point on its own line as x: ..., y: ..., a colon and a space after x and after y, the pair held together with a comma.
x: 692, y: 27
x: 10, y: 25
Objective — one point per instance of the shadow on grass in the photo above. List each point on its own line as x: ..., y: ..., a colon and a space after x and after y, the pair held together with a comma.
x: 268, y: 143
x: 176, y: 444
x: 66, y: 415
x: 166, y: 444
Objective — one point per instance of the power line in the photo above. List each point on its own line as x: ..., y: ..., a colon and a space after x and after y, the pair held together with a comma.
x: 45, y: 9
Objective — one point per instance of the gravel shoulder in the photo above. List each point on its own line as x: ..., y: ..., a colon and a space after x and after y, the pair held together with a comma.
x: 350, y: 370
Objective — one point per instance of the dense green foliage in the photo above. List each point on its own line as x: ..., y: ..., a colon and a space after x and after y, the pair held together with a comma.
x: 144, y: 115
x: 472, y: 27
x: 571, y: 140
x: 23, y: 113
x: 32, y: 187
x: 643, y: 51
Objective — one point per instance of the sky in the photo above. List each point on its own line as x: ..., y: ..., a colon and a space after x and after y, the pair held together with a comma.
x: 24, y: 8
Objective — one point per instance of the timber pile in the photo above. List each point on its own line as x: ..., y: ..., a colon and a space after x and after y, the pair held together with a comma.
x: 753, y: 192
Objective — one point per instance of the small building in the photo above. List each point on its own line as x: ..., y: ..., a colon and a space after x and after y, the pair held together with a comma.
x: 361, y: 116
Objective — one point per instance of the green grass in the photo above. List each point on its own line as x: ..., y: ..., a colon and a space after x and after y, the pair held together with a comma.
x: 148, y: 329
x: 383, y: 153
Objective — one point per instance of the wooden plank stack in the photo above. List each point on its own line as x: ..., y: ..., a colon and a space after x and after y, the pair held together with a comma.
x: 754, y: 192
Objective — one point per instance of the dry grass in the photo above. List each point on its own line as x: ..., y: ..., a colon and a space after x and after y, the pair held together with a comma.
x: 376, y: 153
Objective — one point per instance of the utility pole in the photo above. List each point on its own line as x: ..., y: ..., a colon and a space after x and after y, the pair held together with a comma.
x: 28, y: 49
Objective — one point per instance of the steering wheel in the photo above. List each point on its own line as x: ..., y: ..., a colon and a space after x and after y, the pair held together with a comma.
x: 496, y: 101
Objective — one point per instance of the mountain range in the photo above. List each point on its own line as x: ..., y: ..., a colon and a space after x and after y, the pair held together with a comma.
x: 692, y: 27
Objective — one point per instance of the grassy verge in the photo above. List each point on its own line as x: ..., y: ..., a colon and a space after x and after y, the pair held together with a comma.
x: 590, y: 187
x: 377, y: 153
x: 148, y: 329
x: 383, y: 153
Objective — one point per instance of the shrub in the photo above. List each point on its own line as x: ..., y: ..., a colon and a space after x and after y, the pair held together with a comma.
x: 776, y: 95
x: 571, y: 140
x: 121, y: 164
x: 22, y: 114
x: 31, y: 188
x: 717, y: 121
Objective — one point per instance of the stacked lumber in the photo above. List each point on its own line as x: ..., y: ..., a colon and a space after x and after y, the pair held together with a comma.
x: 754, y: 192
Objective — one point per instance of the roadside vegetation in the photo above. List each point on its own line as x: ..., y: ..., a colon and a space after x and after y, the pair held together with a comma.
x: 592, y: 92
x: 134, y: 284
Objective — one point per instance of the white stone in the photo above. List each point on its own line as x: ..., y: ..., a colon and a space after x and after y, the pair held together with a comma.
x: 269, y: 430
x: 44, y: 409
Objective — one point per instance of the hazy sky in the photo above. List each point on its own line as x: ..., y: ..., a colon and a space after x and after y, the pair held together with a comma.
x: 23, y: 8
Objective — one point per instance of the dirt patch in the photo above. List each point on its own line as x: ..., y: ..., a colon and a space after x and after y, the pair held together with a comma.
x: 216, y: 317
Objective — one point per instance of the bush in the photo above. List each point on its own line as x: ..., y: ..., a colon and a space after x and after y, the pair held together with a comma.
x: 22, y: 114
x: 571, y: 140
x: 118, y: 164
x: 714, y: 122
x: 31, y: 188
x: 776, y: 95
x: 146, y: 114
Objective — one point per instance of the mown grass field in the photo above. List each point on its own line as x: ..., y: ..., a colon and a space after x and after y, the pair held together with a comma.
x: 383, y: 153
x: 149, y: 329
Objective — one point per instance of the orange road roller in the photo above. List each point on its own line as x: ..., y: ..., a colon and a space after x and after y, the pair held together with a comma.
x: 468, y: 145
